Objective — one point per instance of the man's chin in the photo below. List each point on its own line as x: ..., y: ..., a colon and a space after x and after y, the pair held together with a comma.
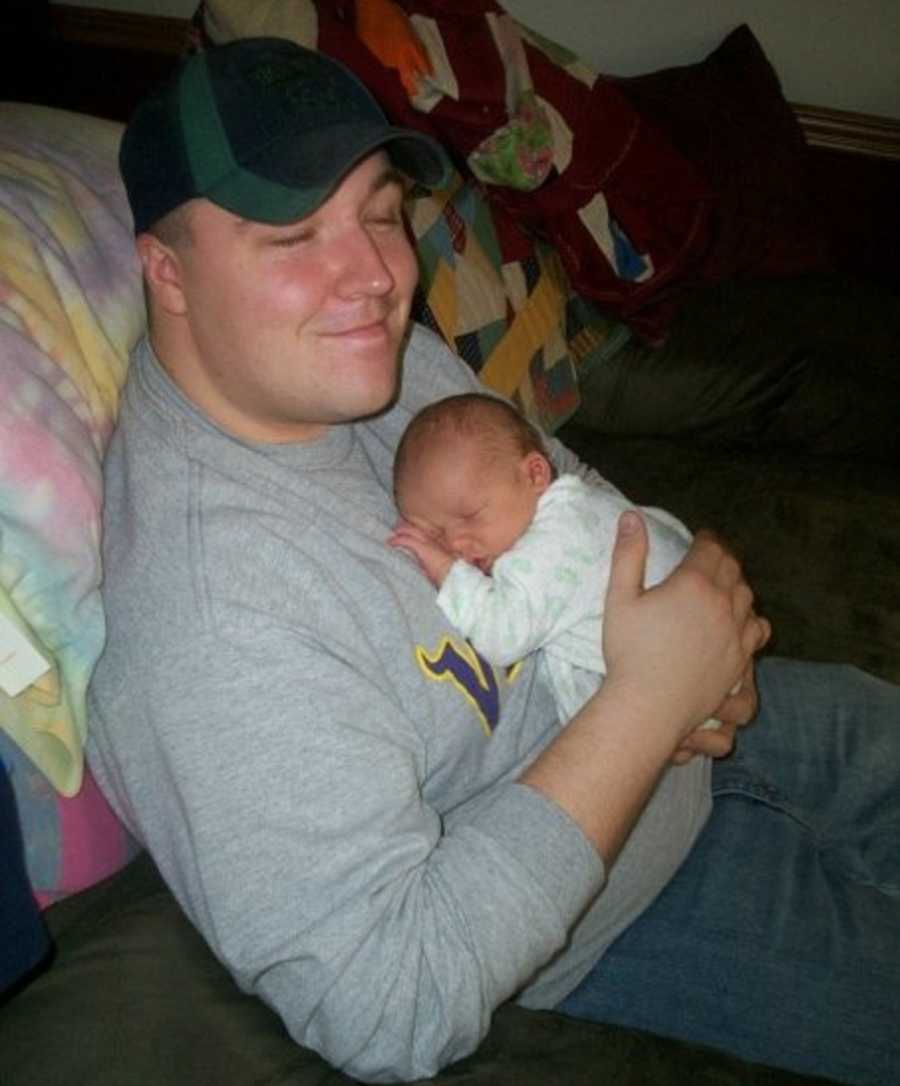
x: 373, y: 400
x: 383, y: 400
x: 383, y: 407
x: 371, y: 379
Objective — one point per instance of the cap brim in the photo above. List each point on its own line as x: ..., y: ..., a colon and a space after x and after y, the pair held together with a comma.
x: 307, y: 175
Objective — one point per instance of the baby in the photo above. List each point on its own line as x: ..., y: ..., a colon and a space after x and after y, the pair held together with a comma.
x: 520, y: 557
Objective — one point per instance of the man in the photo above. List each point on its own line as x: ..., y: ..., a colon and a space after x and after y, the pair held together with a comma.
x: 376, y: 832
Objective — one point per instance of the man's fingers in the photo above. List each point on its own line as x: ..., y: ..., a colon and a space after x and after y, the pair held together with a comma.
x: 714, y: 560
x: 629, y: 558
x: 741, y: 601
x: 740, y: 708
x: 710, y: 556
x: 756, y: 633
x: 716, y: 744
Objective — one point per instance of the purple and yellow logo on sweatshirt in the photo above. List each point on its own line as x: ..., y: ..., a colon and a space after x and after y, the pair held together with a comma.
x: 460, y: 664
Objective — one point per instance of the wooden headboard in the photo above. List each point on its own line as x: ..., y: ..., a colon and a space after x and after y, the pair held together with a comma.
x: 86, y: 59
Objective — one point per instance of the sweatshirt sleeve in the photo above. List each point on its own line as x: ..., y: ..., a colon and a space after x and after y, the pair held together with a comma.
x: 288, y: 816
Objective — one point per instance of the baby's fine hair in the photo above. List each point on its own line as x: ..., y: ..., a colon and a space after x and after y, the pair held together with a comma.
x: 494, y: 422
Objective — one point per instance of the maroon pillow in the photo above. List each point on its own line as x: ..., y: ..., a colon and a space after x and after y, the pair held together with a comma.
x: 728, y: 116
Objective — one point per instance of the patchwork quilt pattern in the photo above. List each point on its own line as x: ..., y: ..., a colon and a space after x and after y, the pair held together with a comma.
x: 494, y: 291
x: 516, y: 323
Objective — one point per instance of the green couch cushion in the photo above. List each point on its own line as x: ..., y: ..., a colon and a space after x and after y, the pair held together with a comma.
x: 819, y: 537
x: 135, y: 997
x: 810, y: 364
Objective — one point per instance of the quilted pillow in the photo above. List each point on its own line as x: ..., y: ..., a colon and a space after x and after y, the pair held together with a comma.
x: 564, y: 155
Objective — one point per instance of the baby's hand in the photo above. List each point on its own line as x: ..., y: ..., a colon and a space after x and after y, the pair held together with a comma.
x: 434, y: 560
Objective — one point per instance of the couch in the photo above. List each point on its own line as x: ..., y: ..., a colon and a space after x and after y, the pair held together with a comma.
x: 758, y: 393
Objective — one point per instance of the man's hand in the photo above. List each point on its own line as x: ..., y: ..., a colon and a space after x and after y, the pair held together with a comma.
x: 736, y: 711
x: 434, y: 560
x: 693, y: 637
x: 673, y: 652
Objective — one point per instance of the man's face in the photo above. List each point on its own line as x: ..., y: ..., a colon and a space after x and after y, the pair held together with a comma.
x: 290, y: 329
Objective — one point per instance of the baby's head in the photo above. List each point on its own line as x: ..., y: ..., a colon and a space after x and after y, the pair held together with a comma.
x: 469, y: 472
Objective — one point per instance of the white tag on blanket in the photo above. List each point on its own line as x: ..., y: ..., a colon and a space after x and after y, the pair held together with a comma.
x: 20, y: 662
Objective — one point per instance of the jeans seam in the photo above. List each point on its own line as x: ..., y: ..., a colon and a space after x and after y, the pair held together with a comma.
x: 760, y: 791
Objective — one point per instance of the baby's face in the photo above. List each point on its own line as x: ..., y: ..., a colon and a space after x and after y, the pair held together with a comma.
x: 475, y: 506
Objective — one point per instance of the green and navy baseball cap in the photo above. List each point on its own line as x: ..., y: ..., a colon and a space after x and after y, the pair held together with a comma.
x: 264, y: 128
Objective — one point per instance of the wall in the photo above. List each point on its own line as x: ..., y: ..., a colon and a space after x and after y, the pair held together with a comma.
x: 835, y: 53
x: 844, y: 54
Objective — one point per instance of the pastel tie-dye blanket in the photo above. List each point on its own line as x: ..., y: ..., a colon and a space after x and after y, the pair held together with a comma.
x: 70, y: 309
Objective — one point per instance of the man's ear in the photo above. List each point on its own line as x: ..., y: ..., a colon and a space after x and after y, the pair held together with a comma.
x: 540, y: 474
x: 162, y: 273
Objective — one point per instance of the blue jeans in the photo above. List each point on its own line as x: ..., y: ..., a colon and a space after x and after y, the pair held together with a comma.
x: 23, y: 938
x: 779, y: 938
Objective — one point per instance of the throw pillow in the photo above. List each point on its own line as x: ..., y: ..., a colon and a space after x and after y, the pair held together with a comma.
x: 70, y: 308
x: 728, y: 116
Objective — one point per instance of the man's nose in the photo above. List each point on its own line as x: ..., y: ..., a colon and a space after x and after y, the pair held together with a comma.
x: 365, y: 269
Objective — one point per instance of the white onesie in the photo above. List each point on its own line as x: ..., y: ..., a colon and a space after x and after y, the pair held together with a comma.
x: 547, y: 591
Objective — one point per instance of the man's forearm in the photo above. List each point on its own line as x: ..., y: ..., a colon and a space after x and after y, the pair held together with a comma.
x: 603, y: 767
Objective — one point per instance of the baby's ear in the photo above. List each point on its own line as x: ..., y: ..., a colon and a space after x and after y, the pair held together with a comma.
x: 540, y: 473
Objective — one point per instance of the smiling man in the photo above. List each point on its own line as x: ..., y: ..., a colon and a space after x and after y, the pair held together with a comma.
x: 333, y: 290
x: 379, y: 834
x: 272, y: 168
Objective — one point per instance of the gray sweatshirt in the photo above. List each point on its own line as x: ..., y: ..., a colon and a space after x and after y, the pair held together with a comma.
x: 323, y: 769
